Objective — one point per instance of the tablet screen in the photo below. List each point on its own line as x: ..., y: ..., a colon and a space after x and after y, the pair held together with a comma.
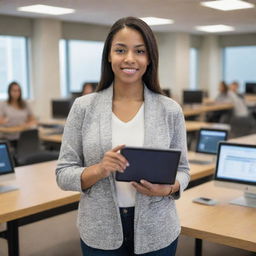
x: 157, y: 166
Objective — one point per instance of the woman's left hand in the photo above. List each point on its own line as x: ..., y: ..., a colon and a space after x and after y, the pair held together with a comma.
x: 150, y: 189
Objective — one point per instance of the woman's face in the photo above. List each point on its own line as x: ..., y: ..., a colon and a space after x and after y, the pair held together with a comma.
x: 15, y: 92
x: 128, y: 56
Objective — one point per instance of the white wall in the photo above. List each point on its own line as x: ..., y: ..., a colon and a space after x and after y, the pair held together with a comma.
x: 45, y: 71
x: 174, y: 62
x: 210, y: 65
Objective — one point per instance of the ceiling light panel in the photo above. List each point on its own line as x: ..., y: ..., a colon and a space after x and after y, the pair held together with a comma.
x: 215, y: 28
x: 152, y: 21
x: 227, y: 5
x: 46, y: 9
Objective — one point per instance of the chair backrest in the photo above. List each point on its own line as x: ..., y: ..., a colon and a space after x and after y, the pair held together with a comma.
x: 28, y: 143
x: 29, y: 150
x: 241, y: 126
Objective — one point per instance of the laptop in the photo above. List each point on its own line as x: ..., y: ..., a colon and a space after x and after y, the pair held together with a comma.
x: 207, y: 145
x: 7, y: 173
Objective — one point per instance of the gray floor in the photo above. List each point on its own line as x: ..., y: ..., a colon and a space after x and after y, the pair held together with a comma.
x: 58, y: 236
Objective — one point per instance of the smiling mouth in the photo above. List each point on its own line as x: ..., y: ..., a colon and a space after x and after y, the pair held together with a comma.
x: 129, y: 70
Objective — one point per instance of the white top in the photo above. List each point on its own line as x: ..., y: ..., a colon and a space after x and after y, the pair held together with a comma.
x: 15, y: 117
x: 131, y: 134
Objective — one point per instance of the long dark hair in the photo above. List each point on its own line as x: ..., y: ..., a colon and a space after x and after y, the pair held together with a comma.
x: 21, y: 102
x: 224, y: 87
x: 150, y: 78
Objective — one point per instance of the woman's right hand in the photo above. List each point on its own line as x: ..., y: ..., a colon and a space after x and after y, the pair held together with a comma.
x: 111, y: 162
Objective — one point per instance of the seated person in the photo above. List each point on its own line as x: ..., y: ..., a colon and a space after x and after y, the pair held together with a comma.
x: 87, y: 88
x: 15, y: 112
x: 227, y: 96
x: 234, y: 87
x: 223, y: 95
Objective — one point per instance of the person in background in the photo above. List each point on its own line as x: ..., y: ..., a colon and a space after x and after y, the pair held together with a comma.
x: 122, y: 218
x: 229, y: 96
x: 87, y: 88
x: 223, y: 95
x: 15, y: 112
x: 234, y: 87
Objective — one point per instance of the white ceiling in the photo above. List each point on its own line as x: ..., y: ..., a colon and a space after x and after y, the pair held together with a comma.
x: 186, y: 13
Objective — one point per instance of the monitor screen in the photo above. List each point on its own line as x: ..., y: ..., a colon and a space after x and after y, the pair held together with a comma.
x: 6, y: 165
x: 250, y: 88
x: 236, y: 163
x: 7, y: 173
x: 190, y: 97
x: 236, y: 168
x: 61, y: 108
x: 208, y: 140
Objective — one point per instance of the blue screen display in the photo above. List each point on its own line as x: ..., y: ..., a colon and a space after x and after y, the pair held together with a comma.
x: 5, y: 161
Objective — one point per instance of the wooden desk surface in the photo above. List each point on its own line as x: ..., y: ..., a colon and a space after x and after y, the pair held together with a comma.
x: 191, y: 126
x: 248, y: 139
x: 57, y: 138
x: 196, y: 125
x: 198, y: 171
x: 200, y: 109
x: 223, y: 223
x: 37, y: 192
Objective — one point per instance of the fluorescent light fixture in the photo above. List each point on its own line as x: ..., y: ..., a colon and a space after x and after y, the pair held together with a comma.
x: 152, y: 21
x: 228, y: 5
x: 215, y: 28
x: 45, y: 9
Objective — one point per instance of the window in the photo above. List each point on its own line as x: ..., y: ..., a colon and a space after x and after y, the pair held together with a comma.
x: 193, y: 80
x: 80, y: 62
x: 239, y: 65
x: 13, y: 64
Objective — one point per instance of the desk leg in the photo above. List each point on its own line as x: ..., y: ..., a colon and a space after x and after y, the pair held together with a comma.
x: 13, y: 238
x: 198, y: 247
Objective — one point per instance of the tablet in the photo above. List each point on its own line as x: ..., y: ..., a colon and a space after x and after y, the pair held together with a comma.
x: 157, y: 166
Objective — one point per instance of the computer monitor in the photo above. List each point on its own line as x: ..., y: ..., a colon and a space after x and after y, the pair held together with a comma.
x: 236, y: 168
x: 192, y: 97
x: 208, y: 140
x: 250, y: 88
x: 61, y: 108
x: 6, y: 168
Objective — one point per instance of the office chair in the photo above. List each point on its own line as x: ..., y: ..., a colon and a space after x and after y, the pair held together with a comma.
x: 29, y: 150
x: 241, y: 126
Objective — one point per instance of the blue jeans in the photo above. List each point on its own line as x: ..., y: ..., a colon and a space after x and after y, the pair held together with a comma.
x: 127, y: 248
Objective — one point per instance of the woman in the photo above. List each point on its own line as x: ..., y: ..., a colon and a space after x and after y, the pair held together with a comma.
x: 87, y: 88
x: 118, y: 218
x: 223, y: 95
x: 15, y: 112
x: 229, y: 96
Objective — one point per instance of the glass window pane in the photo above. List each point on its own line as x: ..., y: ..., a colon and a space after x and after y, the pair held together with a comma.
x: 239, y: 65
x: 13, y: 64
x: 193, y: 69
x: 84, y: 63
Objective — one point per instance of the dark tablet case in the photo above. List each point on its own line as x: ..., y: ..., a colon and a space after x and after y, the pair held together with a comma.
x: 157, y: 166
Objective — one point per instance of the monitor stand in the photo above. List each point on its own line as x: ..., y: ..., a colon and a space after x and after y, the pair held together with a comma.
x: 249, y: 200
x: 7, y: 188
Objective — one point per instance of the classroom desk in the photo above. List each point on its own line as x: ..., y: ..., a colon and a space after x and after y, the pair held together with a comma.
x: 23, y: 206
x: 198, y: 171
x: 204, y: 108
x: 191, y: 126
x: 248, y: 139
x: 223, y: 223
x: 38, y: 193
